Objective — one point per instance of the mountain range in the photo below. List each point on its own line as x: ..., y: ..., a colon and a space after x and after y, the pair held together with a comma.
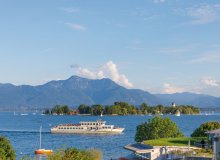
x: 77, y: 90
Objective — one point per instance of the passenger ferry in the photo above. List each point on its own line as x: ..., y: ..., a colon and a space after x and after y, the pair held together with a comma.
x: 96, y: 127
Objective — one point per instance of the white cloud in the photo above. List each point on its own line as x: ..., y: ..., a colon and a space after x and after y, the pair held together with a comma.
x: 108, y: 70
x: 76, y: 26
x: 209, y: 81
x: 70, y: 10
x: 168, y: 88
x: 203, y: 14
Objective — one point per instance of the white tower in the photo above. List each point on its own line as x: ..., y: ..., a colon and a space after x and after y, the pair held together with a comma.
x: 173, y: 104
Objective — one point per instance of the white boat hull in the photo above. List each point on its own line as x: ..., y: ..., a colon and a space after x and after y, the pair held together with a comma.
x: 101, y: 131
x: 95, y: 127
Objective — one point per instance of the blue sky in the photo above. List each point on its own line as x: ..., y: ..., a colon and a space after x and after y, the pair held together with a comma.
x: 162, y: 46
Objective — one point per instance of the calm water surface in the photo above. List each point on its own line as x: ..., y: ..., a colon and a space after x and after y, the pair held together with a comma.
x: 23, y: 132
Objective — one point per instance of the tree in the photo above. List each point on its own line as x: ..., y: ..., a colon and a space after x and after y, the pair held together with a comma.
x: 208, y: 126
x: 6, y: 150
x: 108, y: 110
x: 160, y: 108
x: 97, y: 110
x: 65, y: 109
x: 84, y: 109
x: 60, y: 109
x: 124, y: 111
x: 157, y: 127
x: 73, y: 153
x: 144, y: 108
x: 116, y: 109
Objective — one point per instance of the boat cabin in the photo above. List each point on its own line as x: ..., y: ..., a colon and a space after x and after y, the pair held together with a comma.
x: 97, y: 123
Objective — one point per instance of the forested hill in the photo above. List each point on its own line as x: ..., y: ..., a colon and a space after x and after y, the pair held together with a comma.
x: 72, y: 92
x: 76, y: 90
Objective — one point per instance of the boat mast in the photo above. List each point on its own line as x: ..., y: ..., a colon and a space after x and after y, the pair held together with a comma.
x: 40, y: 136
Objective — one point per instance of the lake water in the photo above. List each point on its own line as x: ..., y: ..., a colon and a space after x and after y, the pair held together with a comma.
x: 23, y: 132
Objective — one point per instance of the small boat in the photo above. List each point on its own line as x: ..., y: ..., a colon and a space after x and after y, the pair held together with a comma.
x: 96, y: 127
x: 24, y: 114
x: 177, y: 113
x: 41, y: 150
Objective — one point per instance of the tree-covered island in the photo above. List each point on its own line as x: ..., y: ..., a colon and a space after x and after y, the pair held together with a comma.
x: 122, y: 108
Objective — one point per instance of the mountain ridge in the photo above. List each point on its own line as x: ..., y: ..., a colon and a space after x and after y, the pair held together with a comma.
x: 77, y: 90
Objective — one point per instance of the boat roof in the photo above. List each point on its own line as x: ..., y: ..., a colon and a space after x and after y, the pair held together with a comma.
x: 93, y: 121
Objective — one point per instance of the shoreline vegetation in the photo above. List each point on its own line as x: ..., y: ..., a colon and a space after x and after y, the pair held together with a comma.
x: 7, y: 152
x: 178, y: 141
x: 163, y: 132
x: 121, y: 108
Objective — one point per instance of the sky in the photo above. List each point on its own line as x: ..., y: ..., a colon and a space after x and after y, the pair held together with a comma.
x: 160, y: 46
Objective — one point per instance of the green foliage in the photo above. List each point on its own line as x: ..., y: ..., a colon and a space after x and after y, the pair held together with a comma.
x: 84, y: 109
x: 60, y: 109
x: 6, y: 150
x: 172, y: 110
x: 208, y: 126
x: 75, y: 154
x: 180, y: 141
x: 157, y: 127
x: 123, y: 108
x: 96, y: 110
x: 144, y: 108
x: 29, y: 158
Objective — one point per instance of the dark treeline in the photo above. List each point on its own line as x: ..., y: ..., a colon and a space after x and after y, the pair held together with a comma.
x: 58, y: 109
x: 123, y: 108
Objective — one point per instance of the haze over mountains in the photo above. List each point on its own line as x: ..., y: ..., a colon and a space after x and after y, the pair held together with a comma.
x: 77, y: 90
